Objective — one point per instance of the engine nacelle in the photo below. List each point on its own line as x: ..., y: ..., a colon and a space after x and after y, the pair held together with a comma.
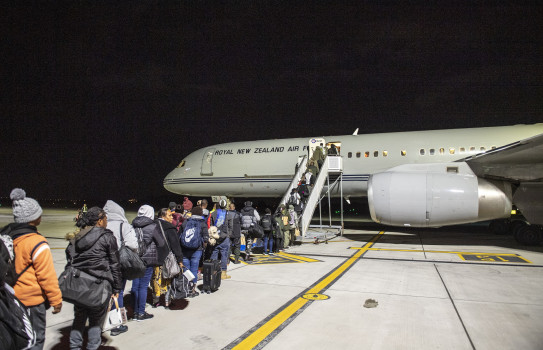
x: 422, y: 195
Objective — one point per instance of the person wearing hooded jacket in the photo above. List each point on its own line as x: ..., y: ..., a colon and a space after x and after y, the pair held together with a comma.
x: 93, y: 250
x: 154, y: 255
x: 191, y: 257
x: 219, y: 219
x: 38, y: 284
x: 249, y: 218
x: 119, y: 225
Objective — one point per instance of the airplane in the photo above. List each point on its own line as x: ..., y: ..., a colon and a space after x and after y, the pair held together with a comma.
x: 427, y: 178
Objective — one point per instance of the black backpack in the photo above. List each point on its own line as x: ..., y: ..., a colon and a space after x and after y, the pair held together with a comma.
x: 266, y: 222
x: 142, y: 248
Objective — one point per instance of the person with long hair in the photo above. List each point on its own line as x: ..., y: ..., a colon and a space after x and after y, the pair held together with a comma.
x: 161, y: 285
x: 93, y: 250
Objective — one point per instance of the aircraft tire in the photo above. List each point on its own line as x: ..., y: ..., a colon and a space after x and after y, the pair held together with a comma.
x: 530, y: 235
x: 499, y: 227
x: 516, y: 225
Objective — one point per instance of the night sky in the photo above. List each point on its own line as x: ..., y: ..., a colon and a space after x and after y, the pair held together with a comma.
x: 103, y: 101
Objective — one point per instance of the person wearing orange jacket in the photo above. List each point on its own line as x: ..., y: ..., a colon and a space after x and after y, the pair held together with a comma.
x: 37, y: 285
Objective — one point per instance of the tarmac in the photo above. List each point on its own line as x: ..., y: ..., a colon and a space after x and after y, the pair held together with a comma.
x: 375, y: 287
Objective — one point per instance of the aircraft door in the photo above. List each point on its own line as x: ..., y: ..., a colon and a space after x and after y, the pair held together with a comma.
x: 207, y: 162
x: 314, y: 142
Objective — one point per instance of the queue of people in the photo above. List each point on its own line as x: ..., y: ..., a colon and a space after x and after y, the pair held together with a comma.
x: 94, y: 248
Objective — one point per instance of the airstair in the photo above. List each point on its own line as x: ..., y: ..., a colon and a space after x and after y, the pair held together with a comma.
x: 328, y: 180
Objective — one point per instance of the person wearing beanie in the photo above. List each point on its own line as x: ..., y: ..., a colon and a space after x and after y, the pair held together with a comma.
x: 187, y: 204
x: 38, y: 284
x: 191, y: 257
x: 177, y: 218
x: 218, y: 218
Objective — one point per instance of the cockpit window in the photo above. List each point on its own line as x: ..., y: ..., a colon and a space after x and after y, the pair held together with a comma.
x: 182, y: 164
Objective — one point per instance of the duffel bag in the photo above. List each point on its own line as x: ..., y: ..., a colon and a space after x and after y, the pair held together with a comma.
x: 132, y: 266
x: 256, y: 231
x: 80, y: 288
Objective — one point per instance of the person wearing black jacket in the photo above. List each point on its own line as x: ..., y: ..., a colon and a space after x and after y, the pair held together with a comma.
x: 155, y: 253
x: 94, y: 251
x: 234, y: 227
x: 161, y: 285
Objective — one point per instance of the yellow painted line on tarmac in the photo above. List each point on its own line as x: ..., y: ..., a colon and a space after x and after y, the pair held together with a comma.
x: 257, y: 336
x: 297, y: 257
x: 437, y: 251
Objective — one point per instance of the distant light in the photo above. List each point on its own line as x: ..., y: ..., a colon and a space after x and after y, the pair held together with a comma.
x: 513, y: 212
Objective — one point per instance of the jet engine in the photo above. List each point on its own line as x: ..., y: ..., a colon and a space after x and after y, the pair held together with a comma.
x: 433, y: 195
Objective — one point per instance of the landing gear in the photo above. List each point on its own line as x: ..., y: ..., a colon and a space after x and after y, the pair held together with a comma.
x: 523, y: 232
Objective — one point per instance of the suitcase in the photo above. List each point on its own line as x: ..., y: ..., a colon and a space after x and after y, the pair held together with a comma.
x: 211, y: 276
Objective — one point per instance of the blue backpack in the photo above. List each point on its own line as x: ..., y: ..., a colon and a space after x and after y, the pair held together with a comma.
x: 191, y: 237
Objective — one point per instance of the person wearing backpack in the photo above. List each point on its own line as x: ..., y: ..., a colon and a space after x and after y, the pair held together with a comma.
x: 278, y: 232
x: 193, y: 237
x: 292, y: 224
x: 93, y: 250
x: 249, y: 218
x: 234, y: 227
x: 117, y: 221
x: 36, y: 283
x: 155, y: 252
x: 267, y: 223
x: 218, y: 218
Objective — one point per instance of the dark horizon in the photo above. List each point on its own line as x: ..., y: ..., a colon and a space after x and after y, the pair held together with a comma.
x: 102, y: 101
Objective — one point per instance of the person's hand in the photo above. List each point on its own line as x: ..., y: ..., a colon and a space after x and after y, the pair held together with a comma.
x: 57, y: 308
x: 181, y: 265
x: 116, y: 295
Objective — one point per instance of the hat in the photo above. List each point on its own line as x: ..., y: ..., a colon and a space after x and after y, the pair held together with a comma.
x: 172, y: 206
x: 222, y: 203
x: 25, y: 209
x: 197, y: 211
x: 248, y: 204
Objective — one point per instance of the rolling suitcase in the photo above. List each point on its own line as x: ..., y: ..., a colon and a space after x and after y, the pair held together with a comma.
x: 212, y: 276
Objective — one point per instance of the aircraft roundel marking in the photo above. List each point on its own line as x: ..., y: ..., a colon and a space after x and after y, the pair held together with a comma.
x: 314, y: 296
x: 313, y: 140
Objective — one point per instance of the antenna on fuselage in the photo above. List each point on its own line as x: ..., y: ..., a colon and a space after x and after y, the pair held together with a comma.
x: 355, y: 132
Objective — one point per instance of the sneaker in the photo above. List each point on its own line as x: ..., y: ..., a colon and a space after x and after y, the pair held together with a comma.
x: 118, y: 330
x: 193, y: 294
x: 144, y: 316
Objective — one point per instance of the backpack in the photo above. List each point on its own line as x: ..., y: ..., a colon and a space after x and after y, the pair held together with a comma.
x: 221, y: 223
x: 16, y: 331
x: 293, y: 200
x: 142, y: 247
x: 191, y: 237
x: 266, y: 222
x: 291, y: 221
x: 247, y: 218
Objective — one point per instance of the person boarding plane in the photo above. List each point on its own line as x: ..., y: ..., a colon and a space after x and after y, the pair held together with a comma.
x: 417, y: 178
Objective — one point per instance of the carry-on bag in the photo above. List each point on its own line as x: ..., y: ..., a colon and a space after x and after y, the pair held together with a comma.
x: 212, y: 276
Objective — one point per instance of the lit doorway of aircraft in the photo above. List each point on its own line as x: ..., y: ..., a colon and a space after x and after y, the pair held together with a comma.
x: 207, y: 162
x: 313, y: 143
x: 335, y: 143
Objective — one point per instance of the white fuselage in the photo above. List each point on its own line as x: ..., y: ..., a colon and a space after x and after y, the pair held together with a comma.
x: 264, y: 168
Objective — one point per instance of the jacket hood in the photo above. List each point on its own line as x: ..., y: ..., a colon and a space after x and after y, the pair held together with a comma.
x: 86, y: 238
x: 141, y: 221
x: 114, y: 212
x: 147, y: 211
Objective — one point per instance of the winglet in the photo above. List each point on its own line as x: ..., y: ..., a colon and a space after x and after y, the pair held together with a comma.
x: 355, y: 132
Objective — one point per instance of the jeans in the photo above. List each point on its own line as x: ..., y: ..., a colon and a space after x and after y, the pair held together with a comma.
x: 96, y: 318
x: 191, y: 260
x: 37, y: 318
x: 121, y: 303
x: 224, y: 249
x: 139, y: 291
x: 268, y: 241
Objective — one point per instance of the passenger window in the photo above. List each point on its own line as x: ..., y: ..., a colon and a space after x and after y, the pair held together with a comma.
x: 376, y: 153
x: 421, y: 151
x: 350, y: 154
x: 472, y: 149
x: 366, y: 154
x: 182, y: 164
x: 442, y: 151
x: 462, y: 150
x: 493, y: 147
x: 451, y: 150
x: 482, y: 148
x: 385, y: 153
x: 404, y: 152
x: 432, y: 151
x: 357, y: 154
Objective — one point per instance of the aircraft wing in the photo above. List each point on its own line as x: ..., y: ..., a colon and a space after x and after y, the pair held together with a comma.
x: 520, y: 161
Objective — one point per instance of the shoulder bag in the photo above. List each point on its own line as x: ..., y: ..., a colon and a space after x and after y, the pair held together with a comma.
x: 132, y: 266
x: 171, y: 267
